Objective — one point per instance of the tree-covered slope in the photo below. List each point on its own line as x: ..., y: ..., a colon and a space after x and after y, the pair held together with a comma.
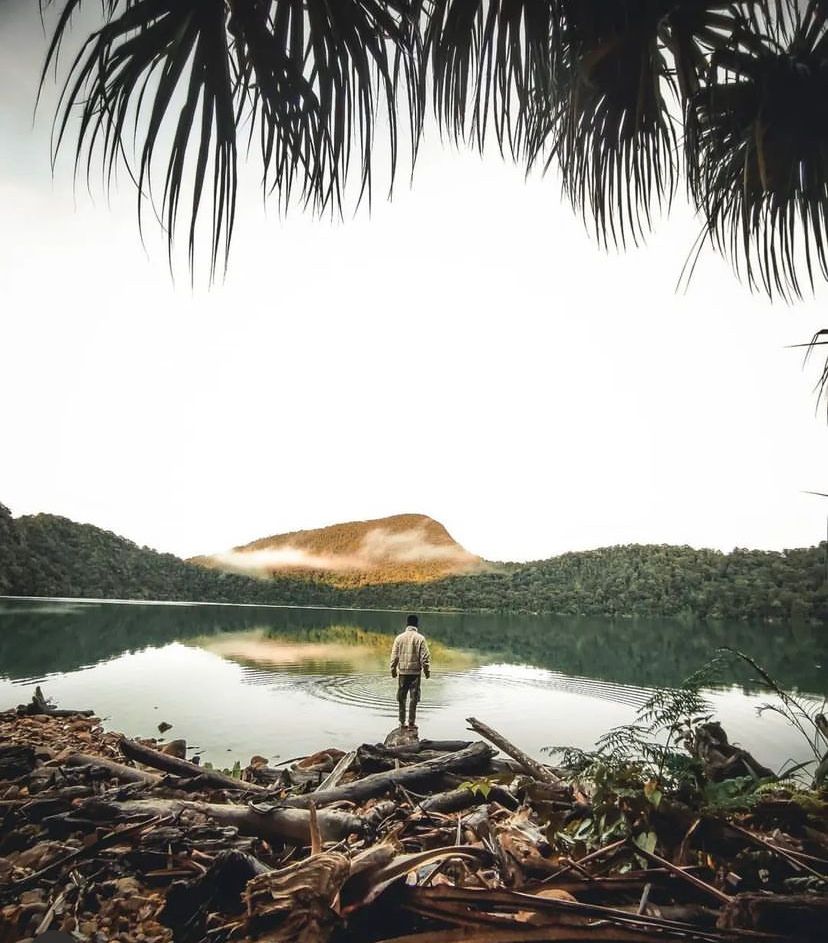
x: 638, y: 580
x: 44, y: 555
x: 57, y: 557
x: 404, y: 548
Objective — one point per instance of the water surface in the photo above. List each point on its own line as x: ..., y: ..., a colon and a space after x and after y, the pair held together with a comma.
x: 282, y: 682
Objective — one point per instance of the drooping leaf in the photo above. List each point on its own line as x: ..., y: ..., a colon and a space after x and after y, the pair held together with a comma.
x: 172, y: 81
x: 759, y: 155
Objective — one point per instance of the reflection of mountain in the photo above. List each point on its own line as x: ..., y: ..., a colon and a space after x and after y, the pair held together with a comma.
x: 36, y: 641
x: 348, y: 647
x: 402, y: 548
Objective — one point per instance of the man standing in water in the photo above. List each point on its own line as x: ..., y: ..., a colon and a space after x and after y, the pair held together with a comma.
x: 409, y: 658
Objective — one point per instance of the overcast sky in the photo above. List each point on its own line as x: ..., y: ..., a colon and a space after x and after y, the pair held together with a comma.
x: 467, y: 352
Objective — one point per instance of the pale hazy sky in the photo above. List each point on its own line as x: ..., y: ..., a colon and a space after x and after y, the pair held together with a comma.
x: 466, y: 352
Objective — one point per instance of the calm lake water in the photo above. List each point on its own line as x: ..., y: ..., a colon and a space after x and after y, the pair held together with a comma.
x: 235, y: 680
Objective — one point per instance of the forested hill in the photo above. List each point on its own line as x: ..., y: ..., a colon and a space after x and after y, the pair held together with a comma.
x: 405, y: 548
x: 43, y: 555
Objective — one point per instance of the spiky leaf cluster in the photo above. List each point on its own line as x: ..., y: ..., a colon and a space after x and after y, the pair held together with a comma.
x: 620, y: 97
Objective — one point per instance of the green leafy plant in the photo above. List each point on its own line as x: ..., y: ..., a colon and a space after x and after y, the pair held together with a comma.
x: 483, y: 785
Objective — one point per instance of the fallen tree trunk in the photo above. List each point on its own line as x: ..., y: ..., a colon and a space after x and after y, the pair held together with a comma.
x: 801, y: 916
x: 127, y: 774
x: 39, y: 705
x: 172, y: 764
x: 16, y: 759
x: 276, y: 824
x: 721, y: 760
x: 532, y: 767
x: 378, y: 758
x: 474, y: 758
x: 420, y: 746
x: 341, y: 768
x: 455, y: 800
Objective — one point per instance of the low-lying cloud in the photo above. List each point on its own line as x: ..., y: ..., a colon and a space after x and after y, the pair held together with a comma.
x: 379, y: 547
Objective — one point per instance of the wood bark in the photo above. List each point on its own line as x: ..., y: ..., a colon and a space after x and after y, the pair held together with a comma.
x: 532, y: 767
x: 437, y: 746
x: 455, y: 800
x: 473, y: 759
x: 342, y: 767
x: 39, y: 705
x: 16, y: 759
x: 721, y: 760
x: 803, y: 917
x: 127, y: 774
x: 375, y: 758
x: 275, y: 824
x: 172, y: 764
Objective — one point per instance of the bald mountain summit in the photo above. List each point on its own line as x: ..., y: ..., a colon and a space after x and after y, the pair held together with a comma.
x: 404, y: 548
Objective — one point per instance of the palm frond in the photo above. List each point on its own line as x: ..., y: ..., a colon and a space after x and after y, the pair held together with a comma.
x: 607, y: 122
x: 489, y: 59
x: 760, y: 155
x: 151, y: 63
x: 820, y: 339
x: 179, y: 78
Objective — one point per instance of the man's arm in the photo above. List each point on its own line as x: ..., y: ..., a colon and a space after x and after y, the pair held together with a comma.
x: 395, y: 656
x: 425, y: 658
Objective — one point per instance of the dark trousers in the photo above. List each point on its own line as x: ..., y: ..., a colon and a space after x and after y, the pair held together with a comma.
x: 408, y: 686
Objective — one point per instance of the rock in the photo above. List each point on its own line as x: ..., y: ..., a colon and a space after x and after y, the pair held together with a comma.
x: 176, y: 748
x: 126, y: 886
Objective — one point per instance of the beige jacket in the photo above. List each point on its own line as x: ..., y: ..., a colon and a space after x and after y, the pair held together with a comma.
x: 410, y: 653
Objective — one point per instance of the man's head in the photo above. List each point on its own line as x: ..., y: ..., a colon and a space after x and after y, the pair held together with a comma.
x: 412, y: 621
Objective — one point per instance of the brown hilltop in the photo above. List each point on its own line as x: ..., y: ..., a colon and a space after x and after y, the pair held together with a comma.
x: 402, y: 548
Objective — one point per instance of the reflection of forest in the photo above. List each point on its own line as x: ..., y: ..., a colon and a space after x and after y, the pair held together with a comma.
x: 36, y: 640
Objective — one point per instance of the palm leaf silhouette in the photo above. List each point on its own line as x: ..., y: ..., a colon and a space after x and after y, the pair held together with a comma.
x: 623, y: 97
x: 308, y: 76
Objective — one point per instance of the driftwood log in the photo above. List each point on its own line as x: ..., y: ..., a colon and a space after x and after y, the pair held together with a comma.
x: 803, y: 917
x: 16, y: 759
x: 39, y: 705
x: 375, y: 758
x: 272, y: 824
x: 526, y: 763
x: 721, y: 759
x: 127, y: 774
x: 336, y: 774
x: 458, y: 799
x: 178, y: 767
x: 474, y: 758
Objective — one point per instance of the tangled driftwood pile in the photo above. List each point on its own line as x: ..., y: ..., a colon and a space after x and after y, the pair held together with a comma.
x: 113, y: 839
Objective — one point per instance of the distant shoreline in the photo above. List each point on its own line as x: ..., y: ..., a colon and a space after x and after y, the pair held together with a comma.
x: 204, y: 602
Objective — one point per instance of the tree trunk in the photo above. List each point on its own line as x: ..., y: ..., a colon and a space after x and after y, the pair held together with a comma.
x: 172, y: 764
x: 39, y: 705
x: 127, y: 774
x: 803, y: 917
x: 532, y: 767
x: 276, y: 824
x: 473, y: 759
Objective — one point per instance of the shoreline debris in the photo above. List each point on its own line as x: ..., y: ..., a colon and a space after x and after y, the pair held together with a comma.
x: 109, y: 838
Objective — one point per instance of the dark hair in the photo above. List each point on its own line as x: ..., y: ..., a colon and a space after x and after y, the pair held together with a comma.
x: 412, y: 620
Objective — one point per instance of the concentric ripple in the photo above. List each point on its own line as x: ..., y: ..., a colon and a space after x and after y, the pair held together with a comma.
x: 376, y: 691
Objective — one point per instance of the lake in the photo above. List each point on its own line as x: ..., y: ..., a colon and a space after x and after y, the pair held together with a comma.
x: 283, y: 682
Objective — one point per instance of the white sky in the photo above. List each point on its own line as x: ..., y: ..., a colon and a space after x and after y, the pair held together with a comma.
x: 466, y: 352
